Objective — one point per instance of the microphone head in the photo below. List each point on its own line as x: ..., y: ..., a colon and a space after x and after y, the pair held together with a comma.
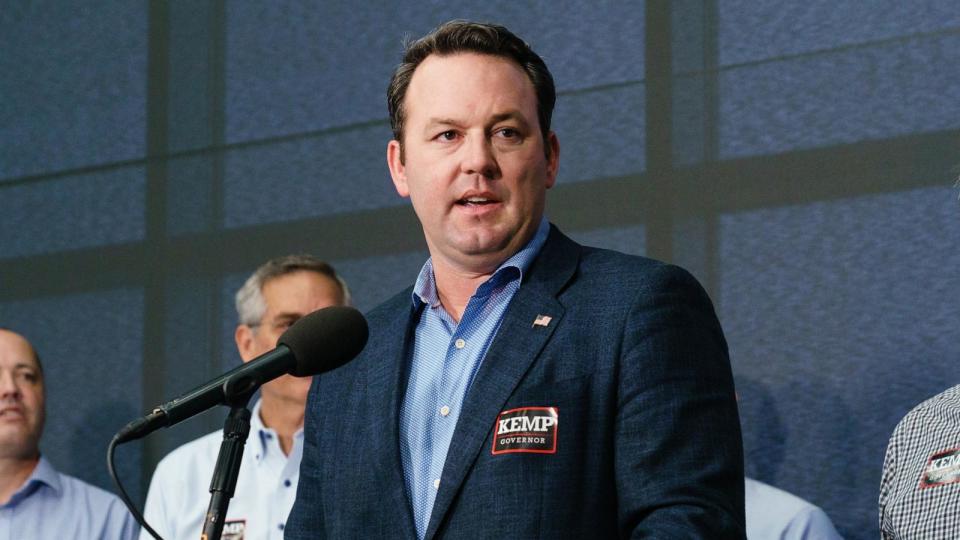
x: 325, y: 339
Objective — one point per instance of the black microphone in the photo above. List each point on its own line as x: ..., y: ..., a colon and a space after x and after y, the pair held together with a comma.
x: 318, y: 342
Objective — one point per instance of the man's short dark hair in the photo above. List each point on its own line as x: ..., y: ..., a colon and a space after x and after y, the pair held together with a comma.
x: 470, y: 37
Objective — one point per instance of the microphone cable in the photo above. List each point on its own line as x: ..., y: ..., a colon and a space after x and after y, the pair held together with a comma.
x: 111, y: 448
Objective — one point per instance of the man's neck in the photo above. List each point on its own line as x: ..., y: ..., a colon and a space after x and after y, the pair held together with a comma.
x: 13, y: 473
x: 457, y: 278
x: 284, y: 418
x: 455, y: 287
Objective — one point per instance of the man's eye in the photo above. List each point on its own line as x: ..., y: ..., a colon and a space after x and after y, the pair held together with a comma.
x: 508, y: 133
x: 448, y: 135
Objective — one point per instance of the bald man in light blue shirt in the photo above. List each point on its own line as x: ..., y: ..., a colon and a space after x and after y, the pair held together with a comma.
x: 36, y: 501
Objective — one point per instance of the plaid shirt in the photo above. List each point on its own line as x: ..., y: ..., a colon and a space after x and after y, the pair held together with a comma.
x: 920, y: 488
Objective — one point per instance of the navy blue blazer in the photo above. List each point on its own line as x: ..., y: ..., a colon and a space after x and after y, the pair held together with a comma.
x: 634, y: 365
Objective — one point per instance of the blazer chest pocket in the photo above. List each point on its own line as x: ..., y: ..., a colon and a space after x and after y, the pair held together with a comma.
x: 535, y: 418
x: 553, y: 393
x: 583, y: 410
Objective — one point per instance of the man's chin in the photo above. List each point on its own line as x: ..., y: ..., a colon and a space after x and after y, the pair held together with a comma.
x: 491, y: 245
x: 14, y: 445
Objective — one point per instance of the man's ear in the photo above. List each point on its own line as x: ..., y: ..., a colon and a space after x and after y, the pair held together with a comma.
x: 398, y: 172
x: 243, y: 336
x: 553, y: 159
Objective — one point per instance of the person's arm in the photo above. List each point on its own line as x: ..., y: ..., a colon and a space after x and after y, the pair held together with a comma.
x: 887, y: 482
x: 679, y: 455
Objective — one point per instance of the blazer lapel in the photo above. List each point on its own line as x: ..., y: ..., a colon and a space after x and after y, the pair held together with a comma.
x: 517, y: 344
x: 386, y: 384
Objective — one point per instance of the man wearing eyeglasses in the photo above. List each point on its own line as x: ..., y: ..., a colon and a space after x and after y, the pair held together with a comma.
x: 272, y: 299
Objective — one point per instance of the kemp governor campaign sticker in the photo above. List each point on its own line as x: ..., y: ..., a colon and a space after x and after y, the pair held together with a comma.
x: 526, y: 429
x: 942, y: 468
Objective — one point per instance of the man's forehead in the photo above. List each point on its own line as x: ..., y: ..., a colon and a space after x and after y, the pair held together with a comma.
x: 15, y: 350
x: 507, y: 114
x: 292, y: 279
x: 281, y: 291
x: 453, y: 73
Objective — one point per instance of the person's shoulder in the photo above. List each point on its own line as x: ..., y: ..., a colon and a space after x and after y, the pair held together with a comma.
x: 96, y: 512
x: 946, y: 401
x: 762, y: 495
x: 93, y: 511
x: 939, y: 409
x: 76, y: 489
x: 619, y: 270
x: 772, y: 512
x: 602, y: 258
x: 560, y: 250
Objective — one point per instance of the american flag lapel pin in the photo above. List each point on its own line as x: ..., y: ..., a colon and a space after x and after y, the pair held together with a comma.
x: 542, y: 320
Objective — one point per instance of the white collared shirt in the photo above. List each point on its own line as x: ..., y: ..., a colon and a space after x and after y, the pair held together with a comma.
x: 774, y: 513
x: 266, y: 487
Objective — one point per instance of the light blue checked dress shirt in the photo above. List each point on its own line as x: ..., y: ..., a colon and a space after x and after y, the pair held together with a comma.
x: 446, y: 357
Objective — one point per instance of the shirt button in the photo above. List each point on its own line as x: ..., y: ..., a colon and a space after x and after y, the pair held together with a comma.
x: 287, y: 483
x: 444, y: 410
x: 436, y: 484
x: 280, y: 526
x: 460, y: 343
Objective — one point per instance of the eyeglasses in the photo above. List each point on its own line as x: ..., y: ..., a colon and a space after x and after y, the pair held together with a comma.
x: 279, y: 326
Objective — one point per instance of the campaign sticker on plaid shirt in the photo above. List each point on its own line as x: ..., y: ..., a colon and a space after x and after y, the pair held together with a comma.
x: 527, y: 429
x: 942, y: 468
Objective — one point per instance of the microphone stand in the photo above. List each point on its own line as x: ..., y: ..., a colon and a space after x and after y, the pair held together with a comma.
x: 236, y: 428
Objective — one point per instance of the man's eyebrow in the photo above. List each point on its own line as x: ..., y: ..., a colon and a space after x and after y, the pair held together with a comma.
x: 509, y: 115
x: 434, y: 122
x: 500, y: 117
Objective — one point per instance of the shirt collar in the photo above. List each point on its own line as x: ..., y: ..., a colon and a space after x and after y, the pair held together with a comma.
x: 256, y: 423
x: 425, y: 288
x: 43, y: 475
x: 267, y: 437
x: 46, y: 474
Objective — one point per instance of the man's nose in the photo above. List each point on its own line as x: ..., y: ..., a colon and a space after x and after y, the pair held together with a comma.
x: 8, y: 385
x: 479, y: 158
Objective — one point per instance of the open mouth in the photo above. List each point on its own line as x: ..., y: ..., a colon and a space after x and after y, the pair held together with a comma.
x: 476, y: 201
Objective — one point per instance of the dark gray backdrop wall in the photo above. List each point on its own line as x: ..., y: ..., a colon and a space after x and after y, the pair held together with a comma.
x: 797, y: 157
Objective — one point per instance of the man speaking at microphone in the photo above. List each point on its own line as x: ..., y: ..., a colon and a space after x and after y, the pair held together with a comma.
x: 525, y: 386
x: 275, y: 296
